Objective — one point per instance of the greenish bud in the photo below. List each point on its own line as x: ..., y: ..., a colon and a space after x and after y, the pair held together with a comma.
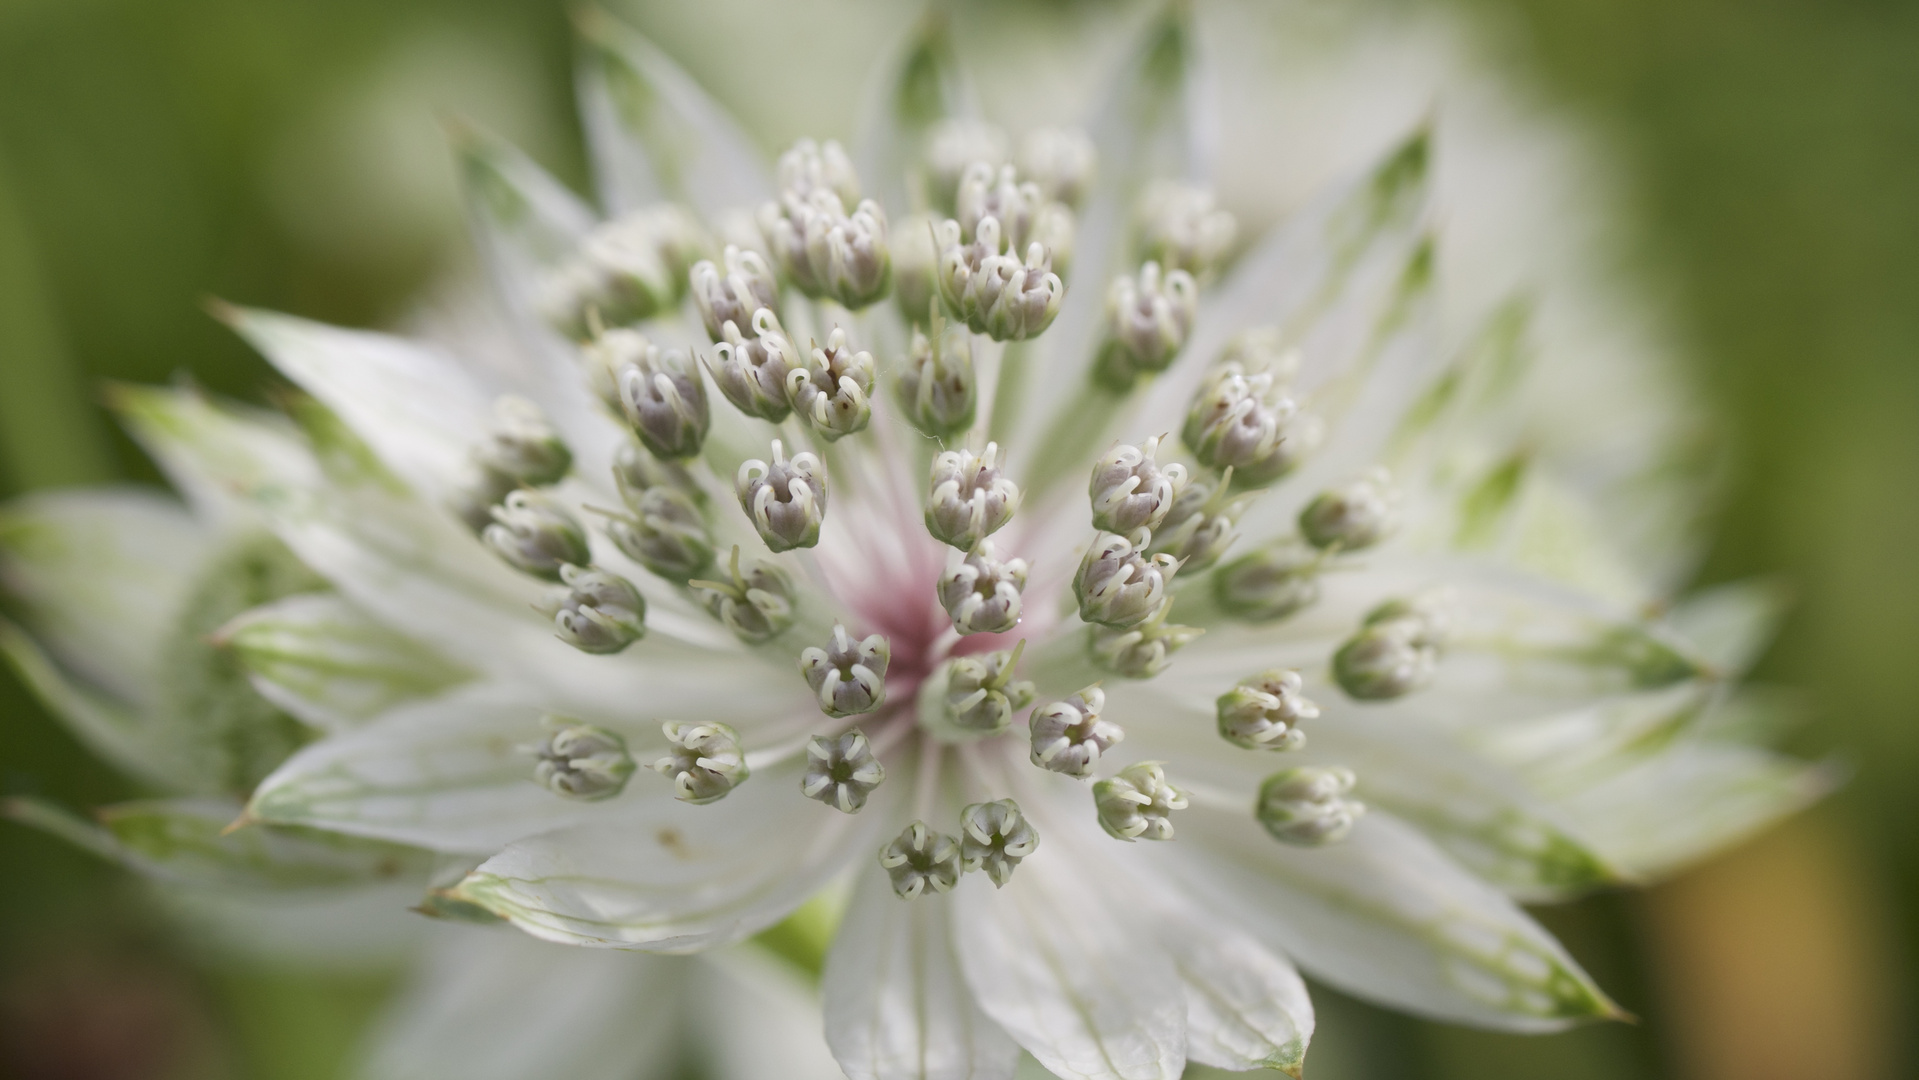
x: 636, y: 471
x: 535, y: 534
x: 936, y: 387
x: 1270, y: 584
x: 1352, y: 517
x: 476, y: 494
x: 1148, y: 318
x: 848, y: 676
x: 753, y: 373
x: 597, y: 612
x: 967, y: 697
x: 626, y: 270
x: 1264, y: 712
x: 1241, y: 418
x: 1202, y: 524
x: 982, y: 593
x: 1138, y: 803
x: 920, y: 861
x: 832, y: 391
x: 665, y: 402
x: 580, y: 761
x: 1143, y: 651
x: 786, y: 500
x: 755, y: 604
x: 971, y: 497
x: 1307, y: 805
x: 703, y: 760
x: 734, y: 296
x: 915, y: 262
x: 1181, y: 229
x: 841, y: 771
x: 1062, y: 161
x: 665, y: 533
x: 1395, y: 652
x: 1131, y: 490
x: 1069, y: 736
x: 996, y: 293
x: 523, y: 447
x: 1118, y: 584
x: 994, y: 837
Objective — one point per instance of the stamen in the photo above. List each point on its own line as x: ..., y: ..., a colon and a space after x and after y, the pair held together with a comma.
x: 936, y: 386
x: 1147, y: 320
x: 747, y: 286
x: 1069, y: 736
x: 753, y: 374
x: 994, y: 837
x: 580, y: 761
x: 665, y: 402
x: 1395, y: 652
x: 1024, y: 213
x: 786, y: 500
x: 819, y: 248
x: 597, y: 612
x: 841, y: 771
x: 848, y: 676
x: 1138, y: 803
x: 704, y: 761
x: 971, y: 498
x: 756, y: 605
x: 535, y: 534
x: 1130, y: 490
x: 1264, y: 711
x: 920, y: 860
x: 968, y: 697
x: 1306, y: 805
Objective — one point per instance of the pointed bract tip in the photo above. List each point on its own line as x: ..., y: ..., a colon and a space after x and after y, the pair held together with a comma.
x: 246, y: 818
x: 228, y: 313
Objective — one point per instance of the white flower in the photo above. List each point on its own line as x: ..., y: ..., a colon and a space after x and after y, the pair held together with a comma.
x: 1480, y: 688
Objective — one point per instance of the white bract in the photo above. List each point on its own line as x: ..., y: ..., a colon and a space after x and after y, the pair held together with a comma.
x: 1483, y: 673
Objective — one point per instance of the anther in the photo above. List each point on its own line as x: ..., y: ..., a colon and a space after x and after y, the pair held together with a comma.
x: 596, y: 612
x: 703, y: 760
x: 580, y: 761
x: 994, y: 837
x: 1138, y: 803
x: 848, y: 676
x: 920, y: 861
x: 832, y: 389
x: 841, y: 771
x: 1069, y: 736
x: 1307, y: 805
x: 1264, y: 711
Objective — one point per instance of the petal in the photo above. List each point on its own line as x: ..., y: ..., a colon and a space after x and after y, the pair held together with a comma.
x: 783, y: 1037
x: 1384, y: 915
x: 669, y: 877
x: 327, y: 663
x: 1078, y: 985
x: 654, y: 133
x: 896, y: 1005
x: 1246, y: 1006
x: 221, y: 457
x: 494, y: 1005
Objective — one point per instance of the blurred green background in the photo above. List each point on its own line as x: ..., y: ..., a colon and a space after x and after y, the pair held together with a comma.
x: 284, y: 154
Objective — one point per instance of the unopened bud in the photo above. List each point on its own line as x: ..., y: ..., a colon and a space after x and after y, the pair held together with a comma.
x: 476, y: 494
x: 1069, y: 736
x: 626, y: 270
x: 971, y: 498
x: 535, y: 534
x: 785, y: 500
x: 1242, y: 419
x: 827, y: 253
x: 1142, y: 651
x: 665, y: 533
x: 982, y: 592
x: 1024, y: 213
x: 920, y: 861
x: 954, y: 145
x: 746, y: 286
x: 1202, y: 524
x: 756, y: 603
x: 841, y: 771
x: 967, y: 697
x: 848, y: 676
x: 1181, y: 229
x: 597, y: 612
x: 996, y: 294
x: 752, y: 373
x: 1148, y: 318
x: 1138, y: 803
x: 1269, y: 584
x: 1061, y: 161
x: 703, y: 760
x: 522, y: 445
x: 581, y: 761
x: 1131, y: 490
x: 832, y: 389
x: 1395, y: 652
x: 1118, y: 584
x: 936, y: 386
x: 636, y: 471
x: 665, y: 402
x: 1352, y: 517
x: 1263, y: 712
x: 994, y: 837
x: 1307, y: 805
x: 915, y: 262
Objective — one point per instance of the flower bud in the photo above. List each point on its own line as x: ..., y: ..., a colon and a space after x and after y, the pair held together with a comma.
x: 1181, y: 229
x: 665, y: 402
x: 915, y: 263
x: 597, y: 612
x: 1069, y: 736
x: 581, y: 761
x: 1307, y: 805
x: 607, y: 356
x: 476, y: 494
x: 665, y: 533
x: 522, y: 446
x: 967, y: 697
x: 920, y: 860
x: 1138, y: 803
x: 1353, y: 517
x: 810, y: 167
x: 1024, y: 214
x: 1147, y: 320
x: 1061, y: 161
x: 756, y: 605
x: 936, y: 387
x: 747, y: 286
x: 1202, y: 524
x: 1263, y: 712
x: 704, y: 760
x: 982, y: 593
x: 1245, y: 422
x: 994, y: 837
x: 785, y: 500
x: 1131, y: 490
x: 626, y: 270
x: 1118, y: 585
x: 996, y: 294
x: 970, y: 498
x: 1269, y: 584
x: 1395, y: 652
x: 849, y: 676
x: 954, y: 145
x: 636, y: 471
x: 826, y: 253
x: 535, y: 534
x: 831, y: 391
x: 752, y: 374
x: 842, y: 771
x: 1143, y: 651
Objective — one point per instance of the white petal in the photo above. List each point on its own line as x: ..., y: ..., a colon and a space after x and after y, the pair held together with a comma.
x: 494, y: 1005
x: 668, y: 877
x: 1246, y: 1006
x: 330, y: 665
x: 1385, y: 916
x: 101, y: 574
x: 757, y: 1017
x: 896, y: 1005
x: 219, y: 456
x: 1081, y: 987
x: 654, y: 133
x: 1730, y: 625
